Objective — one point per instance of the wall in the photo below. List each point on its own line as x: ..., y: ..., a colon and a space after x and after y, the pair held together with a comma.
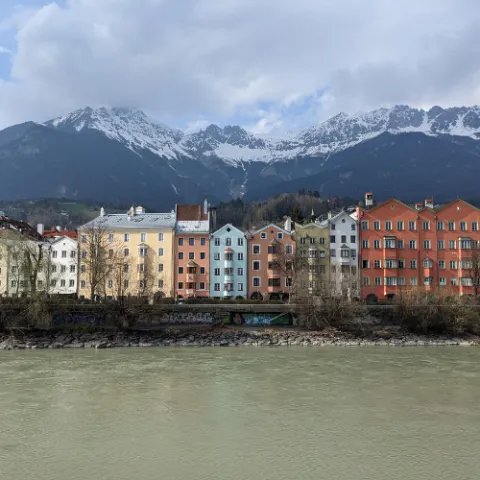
x: 65, y: 282
x: 235, y: 235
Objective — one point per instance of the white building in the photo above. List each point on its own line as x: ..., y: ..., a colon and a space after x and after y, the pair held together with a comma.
x: 64, y: 266
x: 344, y: 253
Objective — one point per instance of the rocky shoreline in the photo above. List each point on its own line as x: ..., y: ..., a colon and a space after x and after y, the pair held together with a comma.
x: 223, y: 338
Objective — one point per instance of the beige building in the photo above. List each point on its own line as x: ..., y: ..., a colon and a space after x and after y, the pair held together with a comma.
x: 129, y: 254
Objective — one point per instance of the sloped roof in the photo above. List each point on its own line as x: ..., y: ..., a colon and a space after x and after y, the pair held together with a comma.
x: 192, y: 226
x: 191, y: 212
x: 139, y: 221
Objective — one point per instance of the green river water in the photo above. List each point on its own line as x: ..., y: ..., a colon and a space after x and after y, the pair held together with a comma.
x: 241, y: 413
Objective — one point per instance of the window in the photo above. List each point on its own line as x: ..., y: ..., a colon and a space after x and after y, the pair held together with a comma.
x: 388, y: 225
x: 413, y: 244
x: 427, y: 263
x: 400, y: 244
x: 401, y: 264
x: 332, y: 226
x: 82, y: 284
x: 312, y: 241
x: 202, y: 255
x: 427, y: 281
x: 400, y: 225
x: 126, y: 252
x: 453, y: 264
x: 202, y: 286
x: 378, y: 281
x: 256, y: 265
x: 126, y: 237
x: 353, y: 239
x: 365, y: 264
x: 240, y: 256
x: 141, y: 267
x: 391, y: 264
x: 13, y: 283
x: 465, y: 244
x: 376, y: 225
x: 84, y: 238
x: 84, y: 254
x: 441, y: 264
x: 240, y: 242
x: 125, y: 284
x: 288, y: 249
x: 377, y: 264
x: 160, y: 284
x: 83, y: 268
x: 401, y: 281
x: 63, y: 283
x: 110, y: 253
x: 239, y: 271
x: 216, y: 256
x: 412, y: 225
x: 353, y: 227
x: 426, y: 225
x: 160, y: 252
x: 126, y: 267
x: 463, y: 226
x: 180, y: 255
x: 303, y: 241
x: 440, y: 226
x: 279, y: 235
x: 441, y: 244
x: 376, y: 244
x: 413, y: 264
x: 442, y: 281
x: 240, y: 287
x: 191, y: 255
x: 274, y: 282
x: 413, y: 281
x: 466, y: 282
x: 332, y: 238
x: 217, y: 242
x: 143, y: 237
x: 73, y: 254
x: 256, y: 249
x: 263, y: 236
x: 160, y: 267
x: 191, y: 241
x: 364, y: 243
x: 343, y: 239
x: 203, y: 241
x: 202, y: 270
x: 180, y: 242
x: 389, y: 243
x: 451, y: 226
x: 333, y: 253
x: 39, y: 284
x: 142, y: 252
x: 72, y: 268
x: 180, y: 285
x: 364, y: 224
x: 475, y: 226
x: 451, y: 243
x: 63, y: 268
x: 366, y: 281
x: 256, y: 281
x: 54, y: 254
x: 216, y: 287
x: 228, y: 271
x: 180, y: 270
x: 426, y: 244
x: 391, y: 281
x: 111, y: 237
x: 64, y: 254
x: 453, y: 282
x: 160, y: 236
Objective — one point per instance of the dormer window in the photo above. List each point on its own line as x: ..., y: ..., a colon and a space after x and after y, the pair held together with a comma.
x: 263, y: 235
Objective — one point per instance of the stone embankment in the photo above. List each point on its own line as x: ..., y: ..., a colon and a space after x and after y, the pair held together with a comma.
x: 223, y: 338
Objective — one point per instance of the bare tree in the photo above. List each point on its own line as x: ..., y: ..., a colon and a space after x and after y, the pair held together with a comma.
x: 472, y: 267
x: 286, y: 263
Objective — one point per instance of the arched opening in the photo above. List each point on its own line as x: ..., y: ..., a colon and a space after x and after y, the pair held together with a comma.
x: 371, y: 299
x: 285, y: 297
x: 256, y: 296
x: 158, y: 297
x: 390, y: 297
x: 274, y: 296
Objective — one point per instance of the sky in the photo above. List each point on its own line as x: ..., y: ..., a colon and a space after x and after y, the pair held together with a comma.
x: 272, y: 66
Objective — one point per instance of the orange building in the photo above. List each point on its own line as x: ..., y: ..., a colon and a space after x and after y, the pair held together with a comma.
x: 270, y: 252
x: 422, y: 246
x: 192, y: 250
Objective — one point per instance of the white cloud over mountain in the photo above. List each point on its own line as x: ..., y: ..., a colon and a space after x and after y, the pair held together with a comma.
x: 273, y: 65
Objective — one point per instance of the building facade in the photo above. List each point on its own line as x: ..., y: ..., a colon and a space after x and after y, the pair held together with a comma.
x: 63, y: 266
x: 312, y: 267
x: 424, y: 248
x: 228, y: 263
x: 344, y: 254
x: 271, y: 251
x: 192, y: 250
x: 137, y: 254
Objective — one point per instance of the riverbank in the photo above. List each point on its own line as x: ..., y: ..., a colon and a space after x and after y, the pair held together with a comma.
x: 223, y: 338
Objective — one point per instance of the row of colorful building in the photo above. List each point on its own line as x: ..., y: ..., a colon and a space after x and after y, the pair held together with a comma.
x: 374, y: 252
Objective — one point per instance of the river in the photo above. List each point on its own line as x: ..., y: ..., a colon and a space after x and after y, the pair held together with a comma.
x: 249, y: 413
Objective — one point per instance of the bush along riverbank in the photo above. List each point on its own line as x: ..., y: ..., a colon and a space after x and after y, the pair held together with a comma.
x: 186, y: 337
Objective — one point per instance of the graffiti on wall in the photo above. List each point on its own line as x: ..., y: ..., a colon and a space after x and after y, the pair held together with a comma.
x: 77, y: 318
x: 190, y: 318
x: 260, y: 319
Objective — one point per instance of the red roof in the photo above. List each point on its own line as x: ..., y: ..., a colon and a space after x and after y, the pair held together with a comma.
x: 60, y: 233
x: 191, y: 212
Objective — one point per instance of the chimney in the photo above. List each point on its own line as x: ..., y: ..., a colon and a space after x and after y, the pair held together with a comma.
x: 139, y: 210
x: 131, y: 212
x: 288, y: 224
x: 369, y: 201
x: 40, y: 229
x: 102, y: 212
x: 329, y: 216
x: 418, y: 206
x: 205, y: 207
x: 429, y: 202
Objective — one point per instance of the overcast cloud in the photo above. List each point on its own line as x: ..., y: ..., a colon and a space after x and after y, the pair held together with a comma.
x: 271, y: 65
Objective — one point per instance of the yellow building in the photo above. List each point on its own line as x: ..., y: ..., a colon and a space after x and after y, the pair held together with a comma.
x: 124, y: 255
x: 312, y: 257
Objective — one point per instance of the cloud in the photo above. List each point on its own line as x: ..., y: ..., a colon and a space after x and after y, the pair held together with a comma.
x: 268, y: 64
x: 4, y: 50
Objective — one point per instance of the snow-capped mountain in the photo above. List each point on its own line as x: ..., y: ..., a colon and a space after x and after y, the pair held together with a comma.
x: 233, y: 144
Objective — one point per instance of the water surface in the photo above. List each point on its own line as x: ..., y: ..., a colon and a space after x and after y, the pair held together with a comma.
x: 246, y: 413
